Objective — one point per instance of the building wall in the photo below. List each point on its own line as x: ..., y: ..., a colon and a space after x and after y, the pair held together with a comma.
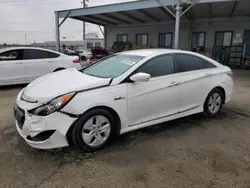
x: 209, y: 26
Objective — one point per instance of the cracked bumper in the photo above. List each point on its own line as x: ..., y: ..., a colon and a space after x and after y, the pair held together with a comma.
x: 57, y: 122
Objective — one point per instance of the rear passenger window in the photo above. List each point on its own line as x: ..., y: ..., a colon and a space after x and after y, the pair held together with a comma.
x: 158, y: 66
x: 208, y: 65
x: 185, y: 62
x: 39, y: 54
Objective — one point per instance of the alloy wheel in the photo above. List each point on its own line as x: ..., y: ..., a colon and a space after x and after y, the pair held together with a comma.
x: 96, y: 131
x: 214, y: 103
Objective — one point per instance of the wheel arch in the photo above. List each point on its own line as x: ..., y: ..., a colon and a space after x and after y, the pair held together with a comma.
x: 109, y: 109
x: 223, y: 92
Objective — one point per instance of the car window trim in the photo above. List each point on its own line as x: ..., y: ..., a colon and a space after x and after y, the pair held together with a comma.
x: 127, y: 79
x: 193, y: 56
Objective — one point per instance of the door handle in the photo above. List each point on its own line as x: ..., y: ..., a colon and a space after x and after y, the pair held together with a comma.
x: 208, y: 74
x: 19, y: 63
x: 173, y: 84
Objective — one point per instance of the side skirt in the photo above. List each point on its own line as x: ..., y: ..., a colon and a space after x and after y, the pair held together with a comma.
x: 194, y: 110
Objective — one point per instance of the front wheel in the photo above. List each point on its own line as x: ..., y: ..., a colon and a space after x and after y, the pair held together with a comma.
x: 213, y: 103
x: 94, y: 130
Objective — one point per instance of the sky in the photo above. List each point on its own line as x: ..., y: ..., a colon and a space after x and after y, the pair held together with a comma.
x: 35, y: 20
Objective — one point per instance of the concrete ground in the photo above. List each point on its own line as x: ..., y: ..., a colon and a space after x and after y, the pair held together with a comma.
x: 190, y: 152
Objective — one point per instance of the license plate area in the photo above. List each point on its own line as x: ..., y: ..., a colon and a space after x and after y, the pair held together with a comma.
x: 19, y: 115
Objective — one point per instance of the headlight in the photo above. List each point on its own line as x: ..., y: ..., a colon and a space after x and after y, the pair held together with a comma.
x: 52, y: 106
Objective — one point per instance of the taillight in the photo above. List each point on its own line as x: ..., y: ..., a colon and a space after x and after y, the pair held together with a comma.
x: 89, y: 61
x: 231, y: 74
x: 76, y: 60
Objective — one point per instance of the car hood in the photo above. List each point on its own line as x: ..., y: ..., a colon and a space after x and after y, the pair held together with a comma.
x: 52, y: 85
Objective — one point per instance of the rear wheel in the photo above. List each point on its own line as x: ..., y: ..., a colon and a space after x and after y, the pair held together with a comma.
x: 213, y: 103
x: 94, y: 130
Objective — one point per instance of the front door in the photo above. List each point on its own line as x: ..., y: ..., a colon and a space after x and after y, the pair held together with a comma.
x: 156, y: 98
x: 12, y: 67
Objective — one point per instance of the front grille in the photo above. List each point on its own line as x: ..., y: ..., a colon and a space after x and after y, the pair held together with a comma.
x: 19, y: 115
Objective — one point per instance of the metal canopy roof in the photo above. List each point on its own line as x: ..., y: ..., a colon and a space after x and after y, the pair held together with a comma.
x: 151, y: 11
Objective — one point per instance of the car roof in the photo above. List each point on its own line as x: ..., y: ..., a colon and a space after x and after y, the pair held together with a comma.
x: 147, y: 52
x: 154, y: 52
x: 25, y: 47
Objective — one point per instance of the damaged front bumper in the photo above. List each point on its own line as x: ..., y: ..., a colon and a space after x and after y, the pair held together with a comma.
x: 43, y: 132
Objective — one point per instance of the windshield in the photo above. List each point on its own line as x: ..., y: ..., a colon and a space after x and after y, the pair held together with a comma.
x: 112, y: 66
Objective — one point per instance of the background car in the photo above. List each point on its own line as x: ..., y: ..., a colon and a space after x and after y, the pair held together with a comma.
x: 97, y: 53
x: 84, y: 54
x: 23, y: 64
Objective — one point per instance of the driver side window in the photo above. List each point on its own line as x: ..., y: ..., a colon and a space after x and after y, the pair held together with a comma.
x: 158, y: 66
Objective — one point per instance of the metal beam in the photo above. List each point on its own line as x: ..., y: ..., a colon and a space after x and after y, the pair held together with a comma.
x: 88, y: 20
x: 189, y: 8
x: 131, y: 17
x: 177, y: 25
x: 149, y: 15
x: 127, y: 6
x: 167, y: 13
x: 57, y: 30
x: 166, y: 8
x: 233, y: 9
x: 101, y: 19
x: 115, y: 18
x: 189, y: 13
x: 65, y: 18
x: 210, y: 10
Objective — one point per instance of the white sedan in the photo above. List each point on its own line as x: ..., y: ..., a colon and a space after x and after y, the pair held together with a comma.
x: 120, y: 93
x: 19, y: 65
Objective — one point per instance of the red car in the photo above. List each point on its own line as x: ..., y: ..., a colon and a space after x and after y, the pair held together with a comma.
x: 98, y: 53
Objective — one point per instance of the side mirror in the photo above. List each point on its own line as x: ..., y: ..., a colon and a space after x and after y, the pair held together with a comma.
x: 140, y: 77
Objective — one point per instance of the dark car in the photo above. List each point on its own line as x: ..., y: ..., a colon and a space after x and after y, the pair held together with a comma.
x: 98, y: 53
x: 120, y: 46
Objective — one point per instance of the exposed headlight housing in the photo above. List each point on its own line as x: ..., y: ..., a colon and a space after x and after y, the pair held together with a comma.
x: 53, y: 105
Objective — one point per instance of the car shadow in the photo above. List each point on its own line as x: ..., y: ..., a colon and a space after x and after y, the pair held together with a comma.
x: 12, y: 87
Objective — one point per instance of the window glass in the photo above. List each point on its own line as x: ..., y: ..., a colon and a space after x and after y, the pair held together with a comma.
x: 165, y: 40
x: 112, y: 66
x: 223, y: 38
x: 141, y: 39
x: 198, y: 39
x: 158, y: 66
x: 186, y: 62
x: 89, y: 45
x: 36, y: 54
x: 227, y: 39
x: 97, y: 44
x: 53, y: 55
x: 122, y: 37
x: 11, y: 55
x: 219, y: 39
x: 207, y: 64
x: 201, y: 39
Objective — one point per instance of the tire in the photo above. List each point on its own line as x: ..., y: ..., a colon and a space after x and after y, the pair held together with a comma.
x: 91, y: 132
x: 213, y: 103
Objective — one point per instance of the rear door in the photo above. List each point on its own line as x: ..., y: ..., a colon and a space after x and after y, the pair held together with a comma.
x: 12, y: 68
x: 196, y: 78
x: 39, y: 62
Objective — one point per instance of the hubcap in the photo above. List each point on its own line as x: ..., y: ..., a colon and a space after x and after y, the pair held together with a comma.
x: 214, y: 103
x: 96, y: 131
